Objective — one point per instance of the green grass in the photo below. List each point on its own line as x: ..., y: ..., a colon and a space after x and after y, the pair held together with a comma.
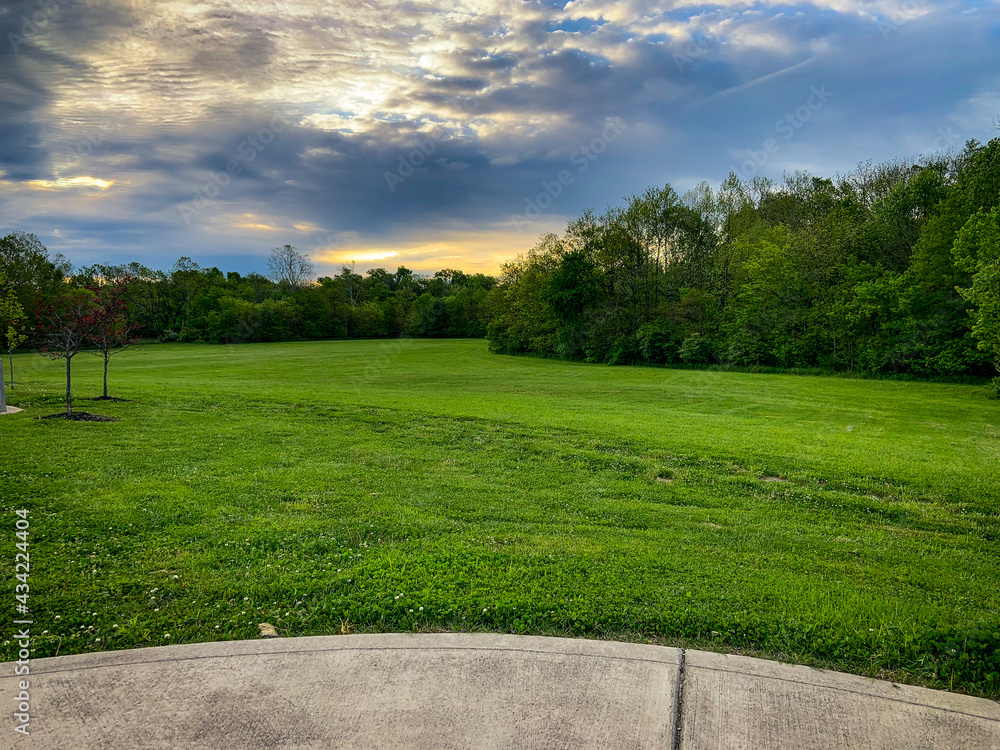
x: 343, y: 486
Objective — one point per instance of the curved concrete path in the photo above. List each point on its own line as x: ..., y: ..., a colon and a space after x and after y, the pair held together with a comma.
x: 472, y: 691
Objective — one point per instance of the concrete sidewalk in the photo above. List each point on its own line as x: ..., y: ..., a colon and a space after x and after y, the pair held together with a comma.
x: 472, y: 691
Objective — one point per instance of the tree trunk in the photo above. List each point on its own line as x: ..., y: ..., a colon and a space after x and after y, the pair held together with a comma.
x: 107, y: 356
x: 69, y: 400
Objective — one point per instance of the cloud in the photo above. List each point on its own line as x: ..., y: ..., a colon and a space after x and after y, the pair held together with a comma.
x: 116, y: 115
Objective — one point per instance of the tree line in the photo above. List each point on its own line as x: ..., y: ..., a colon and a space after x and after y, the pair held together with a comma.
x: 891, y: 268
x: 102, y: 309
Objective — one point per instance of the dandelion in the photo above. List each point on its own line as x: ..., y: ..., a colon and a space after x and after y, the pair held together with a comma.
x: 421, y: 609
x: 484, y: 611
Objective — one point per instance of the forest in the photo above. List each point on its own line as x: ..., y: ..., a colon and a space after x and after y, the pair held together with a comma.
x: 892, y: 268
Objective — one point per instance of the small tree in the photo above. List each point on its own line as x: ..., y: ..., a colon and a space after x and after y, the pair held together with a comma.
x: 64, y: 326
x: 12, y: 326
x: 113, y: 331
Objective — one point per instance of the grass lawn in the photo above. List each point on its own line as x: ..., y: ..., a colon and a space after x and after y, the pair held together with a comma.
x: 356, y: 486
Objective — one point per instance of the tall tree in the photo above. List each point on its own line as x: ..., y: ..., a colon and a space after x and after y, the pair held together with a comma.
x: 289, y: 267
x: 977, y: 251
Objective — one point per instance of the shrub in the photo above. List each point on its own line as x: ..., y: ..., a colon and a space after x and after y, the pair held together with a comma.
x: 993, y: 388
x: 697, y: 350
x: 657, y: 344
x: 624, y: 351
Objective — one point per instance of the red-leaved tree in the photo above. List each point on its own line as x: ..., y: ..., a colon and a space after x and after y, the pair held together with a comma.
x: 114, y: 332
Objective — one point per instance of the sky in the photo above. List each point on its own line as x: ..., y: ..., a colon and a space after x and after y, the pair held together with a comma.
x: 448, y: 135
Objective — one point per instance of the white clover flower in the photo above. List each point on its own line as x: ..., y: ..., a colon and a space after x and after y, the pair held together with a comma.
x: 167, y: 636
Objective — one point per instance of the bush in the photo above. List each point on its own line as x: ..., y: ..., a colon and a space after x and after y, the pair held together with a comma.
x: 697, y: 350
x: 993, y: 388
x: 624, y: 351
x: 569, y: 342
x: 188, y: 335
x: 657, y: 344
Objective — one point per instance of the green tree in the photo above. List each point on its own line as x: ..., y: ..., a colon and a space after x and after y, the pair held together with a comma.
x: 977, y: 251
x: 12, y: 324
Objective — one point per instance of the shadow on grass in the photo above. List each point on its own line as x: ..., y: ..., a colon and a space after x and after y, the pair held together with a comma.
x: 81, y: 416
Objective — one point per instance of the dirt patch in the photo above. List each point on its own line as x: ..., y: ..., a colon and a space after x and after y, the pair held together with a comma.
x: 774, y: 479
x: 665, y: 480
x: 81, y: 416
x: 114, y: 399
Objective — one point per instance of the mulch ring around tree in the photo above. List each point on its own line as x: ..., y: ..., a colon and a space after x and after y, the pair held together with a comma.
x: 81, y: 416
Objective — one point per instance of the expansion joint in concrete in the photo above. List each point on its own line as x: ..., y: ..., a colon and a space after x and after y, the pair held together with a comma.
x: 676, y: 738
